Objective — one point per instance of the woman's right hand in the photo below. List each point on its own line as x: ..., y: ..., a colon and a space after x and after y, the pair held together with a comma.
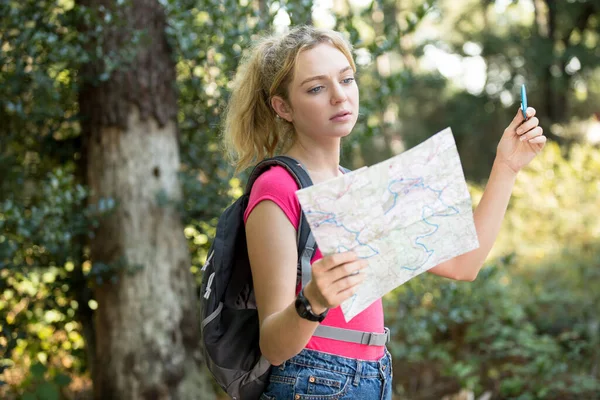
x: 335, y: 279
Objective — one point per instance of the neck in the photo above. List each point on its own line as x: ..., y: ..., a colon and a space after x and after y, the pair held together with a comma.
x: 322, y: 160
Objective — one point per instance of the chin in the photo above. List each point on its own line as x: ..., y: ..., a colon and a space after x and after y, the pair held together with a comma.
x: 344, y: 131
x: 338, y: 133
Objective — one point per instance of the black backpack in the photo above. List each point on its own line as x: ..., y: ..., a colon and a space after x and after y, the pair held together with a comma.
x: 230, y: 325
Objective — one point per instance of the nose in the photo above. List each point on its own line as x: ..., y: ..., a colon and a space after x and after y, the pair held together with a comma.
x: 338, y: 94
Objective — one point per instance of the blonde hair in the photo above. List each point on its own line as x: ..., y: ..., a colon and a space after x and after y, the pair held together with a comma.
x: 252, y: 131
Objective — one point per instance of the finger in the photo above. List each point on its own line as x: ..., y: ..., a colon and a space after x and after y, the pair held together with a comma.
x: 537, y: 131
x: 512, y: 127
x: 347, y: 292
x: 347, y: 282
x: 518, y: 119
x: 344, y: 270
x: 334, y: 260
x: 538, y: 140
x: 528, y: 125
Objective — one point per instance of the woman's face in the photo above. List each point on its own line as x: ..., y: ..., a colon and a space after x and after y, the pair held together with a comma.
x: 323, y: 95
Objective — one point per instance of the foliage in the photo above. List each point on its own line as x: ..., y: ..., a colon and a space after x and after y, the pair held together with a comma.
x: 42, y: 292
x: 553, y: 202
x: 42, y: 385
x: 525, y: 329
x: 45, y: 295
x: 490, y: 336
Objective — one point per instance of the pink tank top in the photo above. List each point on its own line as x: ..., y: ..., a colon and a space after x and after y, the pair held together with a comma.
x: 278, y: 186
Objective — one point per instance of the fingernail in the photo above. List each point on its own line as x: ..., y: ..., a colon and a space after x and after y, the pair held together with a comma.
x: 523, y: 138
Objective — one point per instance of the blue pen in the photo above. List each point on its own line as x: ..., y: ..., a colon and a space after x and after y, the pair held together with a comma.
x: 524, y: 101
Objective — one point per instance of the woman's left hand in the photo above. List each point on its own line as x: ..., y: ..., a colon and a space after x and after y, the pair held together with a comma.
x: 521, y: 141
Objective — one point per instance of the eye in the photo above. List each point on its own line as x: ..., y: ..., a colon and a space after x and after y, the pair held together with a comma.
x: 316, y: 89
x: 348, y: 80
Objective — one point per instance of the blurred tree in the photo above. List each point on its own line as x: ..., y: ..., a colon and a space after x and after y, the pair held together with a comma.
x: 568, y: 32
x: 146, y: 322
x: 474, y: 58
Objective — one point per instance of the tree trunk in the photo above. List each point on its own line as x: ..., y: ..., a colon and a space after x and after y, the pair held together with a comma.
x: 550, y: 80
x: 147, y: 337
x: 545, y: 27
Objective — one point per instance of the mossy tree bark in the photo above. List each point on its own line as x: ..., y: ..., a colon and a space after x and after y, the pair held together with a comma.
x: 147, y: 336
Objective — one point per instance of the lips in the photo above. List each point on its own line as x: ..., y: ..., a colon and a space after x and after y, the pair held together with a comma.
x: 341, y: 114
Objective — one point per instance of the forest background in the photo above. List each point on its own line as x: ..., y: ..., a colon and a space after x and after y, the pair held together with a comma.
x: 112, y: 178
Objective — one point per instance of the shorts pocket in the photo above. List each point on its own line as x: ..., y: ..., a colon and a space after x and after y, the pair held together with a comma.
x: 321, y: 384
x: 280, y: 387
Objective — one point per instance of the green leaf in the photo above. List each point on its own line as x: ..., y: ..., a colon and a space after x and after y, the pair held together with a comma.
x: 48, y: 391
x: 62, y: 380
x: 38, y: 370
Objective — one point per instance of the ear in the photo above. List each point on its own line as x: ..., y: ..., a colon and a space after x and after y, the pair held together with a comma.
x: 282, y: 108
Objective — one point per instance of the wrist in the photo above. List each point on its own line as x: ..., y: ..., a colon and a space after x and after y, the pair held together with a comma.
x: 503, y: 170
x: 305, y: 310
x: 312, y: 297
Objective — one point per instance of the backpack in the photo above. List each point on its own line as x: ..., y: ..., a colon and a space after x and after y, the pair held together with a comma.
x: 230, y: 324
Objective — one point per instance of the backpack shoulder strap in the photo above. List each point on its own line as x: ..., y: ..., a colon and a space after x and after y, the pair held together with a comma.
x: 307, y: 246
x: 293, y: 166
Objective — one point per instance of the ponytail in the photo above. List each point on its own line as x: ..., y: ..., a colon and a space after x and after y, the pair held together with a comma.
x: 252, y: 132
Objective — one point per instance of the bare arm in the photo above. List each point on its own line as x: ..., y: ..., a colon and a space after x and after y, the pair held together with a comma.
x: 273, y: 259
x: 273, y: 256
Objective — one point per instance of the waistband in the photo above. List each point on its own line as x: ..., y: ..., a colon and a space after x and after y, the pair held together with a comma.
x: 341, y: 365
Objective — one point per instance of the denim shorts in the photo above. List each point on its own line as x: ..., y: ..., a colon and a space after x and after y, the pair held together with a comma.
x: 313, y: 375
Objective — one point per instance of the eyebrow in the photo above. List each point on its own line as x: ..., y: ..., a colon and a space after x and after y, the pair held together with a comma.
x: 314, y: 78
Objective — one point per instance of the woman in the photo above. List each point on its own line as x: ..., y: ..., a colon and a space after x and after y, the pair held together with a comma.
x: 296, y: 95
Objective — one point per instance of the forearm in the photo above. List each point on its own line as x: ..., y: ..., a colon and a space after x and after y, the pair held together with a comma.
x: 488, y: 218
x: 284, y: 334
